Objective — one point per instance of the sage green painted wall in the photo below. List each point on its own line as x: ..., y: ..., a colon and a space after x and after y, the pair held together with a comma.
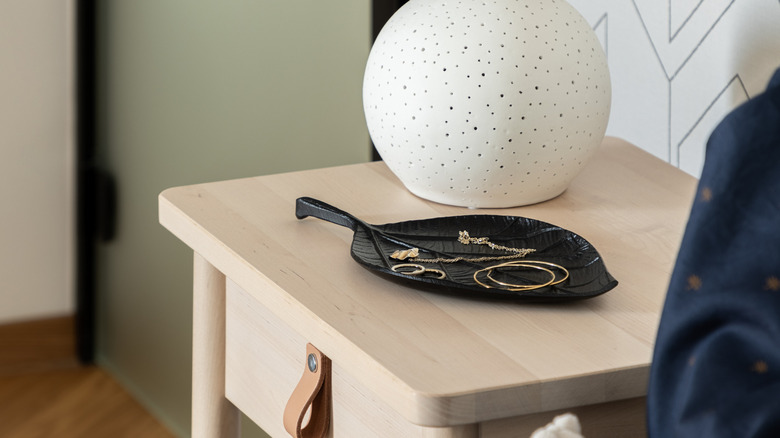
x: 193, y: 91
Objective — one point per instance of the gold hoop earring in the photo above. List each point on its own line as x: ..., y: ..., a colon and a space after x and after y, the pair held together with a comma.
x: 418, y: 269
x: 440, y: 274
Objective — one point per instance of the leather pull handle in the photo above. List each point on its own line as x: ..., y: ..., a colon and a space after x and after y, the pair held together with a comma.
x: 313, y: 390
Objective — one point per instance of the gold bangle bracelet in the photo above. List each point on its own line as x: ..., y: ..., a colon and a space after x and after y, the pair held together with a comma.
x: 520, y: 287
x: 514, y: 287
x: 554, y: 265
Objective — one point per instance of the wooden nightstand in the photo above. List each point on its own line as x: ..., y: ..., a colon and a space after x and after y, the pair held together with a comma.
x: 411, y: 363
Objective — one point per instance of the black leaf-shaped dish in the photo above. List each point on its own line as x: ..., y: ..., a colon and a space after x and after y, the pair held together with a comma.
x: 373, y: 245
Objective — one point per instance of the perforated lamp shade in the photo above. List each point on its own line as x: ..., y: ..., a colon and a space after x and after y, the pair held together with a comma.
x: 486, y: 104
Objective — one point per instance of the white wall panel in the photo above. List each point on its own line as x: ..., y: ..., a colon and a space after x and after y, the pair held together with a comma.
x: 36, y: 159
x: 679, y: 66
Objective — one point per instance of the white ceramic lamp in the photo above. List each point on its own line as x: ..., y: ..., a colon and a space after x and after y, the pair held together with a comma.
x: 486, y: 103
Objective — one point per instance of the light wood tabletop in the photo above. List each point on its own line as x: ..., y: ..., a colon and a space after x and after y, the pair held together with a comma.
x: 440, y: 360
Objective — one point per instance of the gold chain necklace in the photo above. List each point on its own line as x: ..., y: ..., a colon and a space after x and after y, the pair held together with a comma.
x: 413, y: 254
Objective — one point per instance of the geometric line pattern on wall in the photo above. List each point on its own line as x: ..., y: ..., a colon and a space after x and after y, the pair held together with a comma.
x: 709, y: 107
x: 674, y: 149
x: 667, y: 64
x: 672, y: 15
x: 678, y: 67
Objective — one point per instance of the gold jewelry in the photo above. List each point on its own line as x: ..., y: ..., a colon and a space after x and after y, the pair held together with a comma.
x: 403, y: 254
x: 418, y: 270
x: 439, y: 272
x: 513, y: 287
x: 522, y: 263
x: 464, y: 238
x: 398, y: 256
x: 554, y: 265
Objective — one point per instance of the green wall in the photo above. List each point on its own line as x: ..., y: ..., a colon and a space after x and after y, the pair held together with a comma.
x: 195, y: 91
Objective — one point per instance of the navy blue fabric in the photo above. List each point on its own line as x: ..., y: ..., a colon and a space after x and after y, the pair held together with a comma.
x: 716, y: 365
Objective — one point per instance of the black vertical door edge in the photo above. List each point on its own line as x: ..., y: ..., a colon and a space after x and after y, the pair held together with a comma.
x: 85, y: 180
x: 95, y: 191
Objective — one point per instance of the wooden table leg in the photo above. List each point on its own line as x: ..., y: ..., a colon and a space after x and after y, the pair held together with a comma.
x: 212, y: 414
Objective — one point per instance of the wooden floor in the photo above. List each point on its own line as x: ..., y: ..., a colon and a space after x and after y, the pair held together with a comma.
x: 44, y: 392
